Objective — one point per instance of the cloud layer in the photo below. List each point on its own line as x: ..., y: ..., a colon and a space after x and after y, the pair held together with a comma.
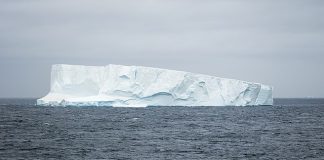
x: 273, y: 42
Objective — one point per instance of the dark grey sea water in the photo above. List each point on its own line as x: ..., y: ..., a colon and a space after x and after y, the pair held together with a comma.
x: 291, y: 129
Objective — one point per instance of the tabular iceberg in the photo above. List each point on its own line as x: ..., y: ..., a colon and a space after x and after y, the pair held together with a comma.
x: 137, y: 86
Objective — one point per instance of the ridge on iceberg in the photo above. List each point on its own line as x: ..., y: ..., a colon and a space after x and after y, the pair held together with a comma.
x: 137, y: 86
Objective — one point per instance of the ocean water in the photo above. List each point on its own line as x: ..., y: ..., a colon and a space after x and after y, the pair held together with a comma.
x: 291, y: 129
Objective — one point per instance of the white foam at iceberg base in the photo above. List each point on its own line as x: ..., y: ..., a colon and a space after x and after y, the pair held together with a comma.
x: 136, y: 86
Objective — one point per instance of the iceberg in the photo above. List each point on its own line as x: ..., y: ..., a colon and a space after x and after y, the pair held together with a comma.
x: 137, y: 86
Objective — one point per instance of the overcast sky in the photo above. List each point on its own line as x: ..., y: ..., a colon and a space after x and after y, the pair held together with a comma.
x: 275, y: 42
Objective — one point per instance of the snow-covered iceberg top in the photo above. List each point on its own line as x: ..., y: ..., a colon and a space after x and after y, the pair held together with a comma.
x: 136, y: 86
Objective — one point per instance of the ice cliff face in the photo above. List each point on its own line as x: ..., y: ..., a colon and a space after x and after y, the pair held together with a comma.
x: 135, y: 86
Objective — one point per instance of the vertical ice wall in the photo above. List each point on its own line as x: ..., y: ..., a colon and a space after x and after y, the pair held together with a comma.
x: 136, y: 86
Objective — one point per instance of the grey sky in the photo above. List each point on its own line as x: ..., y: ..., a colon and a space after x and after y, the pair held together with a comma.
x: 275, y: 42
